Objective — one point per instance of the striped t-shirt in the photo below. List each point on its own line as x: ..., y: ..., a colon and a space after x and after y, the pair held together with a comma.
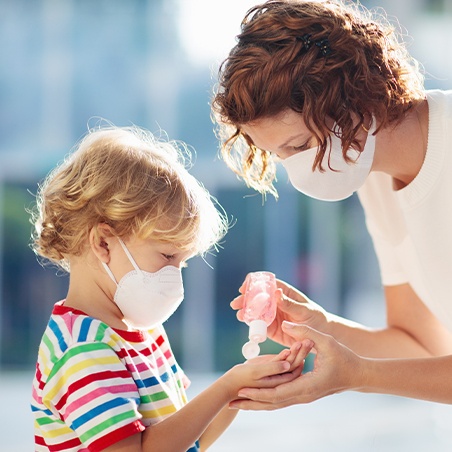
x: 95, y: 385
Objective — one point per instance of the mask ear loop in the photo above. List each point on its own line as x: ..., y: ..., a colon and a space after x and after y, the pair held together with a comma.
x: 132, y: 261
x: 110, y: 273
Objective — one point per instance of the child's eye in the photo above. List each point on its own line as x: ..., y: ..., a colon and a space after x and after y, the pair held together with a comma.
x: 168, y: 256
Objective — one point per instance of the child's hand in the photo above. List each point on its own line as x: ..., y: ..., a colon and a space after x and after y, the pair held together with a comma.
x: 297, y: 354
x: 267, y: 371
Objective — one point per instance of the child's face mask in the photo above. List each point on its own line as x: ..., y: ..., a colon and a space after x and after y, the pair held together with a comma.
x: 147, y: 299
x: 335, y: 183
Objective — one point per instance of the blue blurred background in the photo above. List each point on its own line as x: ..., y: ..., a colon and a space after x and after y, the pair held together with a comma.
x: 153, y: 63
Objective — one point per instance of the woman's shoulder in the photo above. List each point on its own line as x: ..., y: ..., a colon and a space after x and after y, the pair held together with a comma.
x: 439, y: 102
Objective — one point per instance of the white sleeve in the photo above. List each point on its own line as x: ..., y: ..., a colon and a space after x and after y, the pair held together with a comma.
x: 391, y: 271
x: 386, y: 226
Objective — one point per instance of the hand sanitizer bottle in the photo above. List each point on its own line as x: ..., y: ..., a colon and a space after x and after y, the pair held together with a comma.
x: 259, y: 309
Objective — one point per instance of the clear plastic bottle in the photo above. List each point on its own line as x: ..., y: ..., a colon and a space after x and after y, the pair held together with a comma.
x: 259, y: 309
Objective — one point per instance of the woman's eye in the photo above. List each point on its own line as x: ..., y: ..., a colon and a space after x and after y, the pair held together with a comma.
x: 303, y: 147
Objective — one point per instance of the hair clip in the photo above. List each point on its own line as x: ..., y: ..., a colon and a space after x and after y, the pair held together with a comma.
x: 306, y: 40
x: 324, y: 46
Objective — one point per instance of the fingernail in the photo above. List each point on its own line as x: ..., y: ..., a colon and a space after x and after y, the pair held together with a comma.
x: 288, y: 325
x: 242, y: 394
x: 285, y: 353
x: 232, y: 406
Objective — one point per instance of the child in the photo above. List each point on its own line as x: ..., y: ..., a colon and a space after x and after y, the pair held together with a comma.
x: 123, y: 215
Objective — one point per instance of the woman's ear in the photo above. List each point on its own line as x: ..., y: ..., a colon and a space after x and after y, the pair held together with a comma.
x: 100, y: 237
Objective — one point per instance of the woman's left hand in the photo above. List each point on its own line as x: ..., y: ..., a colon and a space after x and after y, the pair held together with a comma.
x: 336, y: 369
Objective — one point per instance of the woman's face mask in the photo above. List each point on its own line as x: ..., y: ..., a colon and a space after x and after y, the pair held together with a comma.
x: 339, y: 179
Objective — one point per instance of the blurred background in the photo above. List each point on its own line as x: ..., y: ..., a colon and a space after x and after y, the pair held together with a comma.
x: 153, y: 63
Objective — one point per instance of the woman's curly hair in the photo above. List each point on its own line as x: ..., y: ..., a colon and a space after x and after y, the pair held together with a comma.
x: 368, y: 72
x: 130, y: 180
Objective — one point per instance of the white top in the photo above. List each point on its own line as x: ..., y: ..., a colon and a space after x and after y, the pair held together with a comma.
x: 412, y: 228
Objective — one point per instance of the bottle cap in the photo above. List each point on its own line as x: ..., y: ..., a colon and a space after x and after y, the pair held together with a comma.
x: 250, y: 350
x: 258, y: 331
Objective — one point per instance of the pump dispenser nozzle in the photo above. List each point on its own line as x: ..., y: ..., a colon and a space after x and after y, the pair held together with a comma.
x: 259, y: 309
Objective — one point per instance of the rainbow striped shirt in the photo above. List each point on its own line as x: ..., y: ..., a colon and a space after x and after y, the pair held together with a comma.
x: 95, y: 385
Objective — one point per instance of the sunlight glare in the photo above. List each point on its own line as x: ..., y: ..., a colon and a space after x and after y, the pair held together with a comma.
x: 208, y: 28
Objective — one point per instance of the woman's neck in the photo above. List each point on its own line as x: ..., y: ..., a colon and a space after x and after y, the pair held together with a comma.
x: 400, y: 150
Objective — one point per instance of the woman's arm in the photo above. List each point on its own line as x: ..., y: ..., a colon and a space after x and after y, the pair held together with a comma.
x: 338, y: 369
x: 412, y: 330
x: 426, y: 378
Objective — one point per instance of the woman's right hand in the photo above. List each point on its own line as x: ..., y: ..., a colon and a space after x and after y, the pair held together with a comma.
x: 292, y: 306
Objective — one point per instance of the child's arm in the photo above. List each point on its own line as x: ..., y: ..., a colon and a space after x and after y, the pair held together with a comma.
x: 295, y: 357
x: 180, y: 430
x: 217, y: 427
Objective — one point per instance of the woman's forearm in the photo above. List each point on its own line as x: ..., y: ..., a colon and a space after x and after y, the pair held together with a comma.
x: 426, y: 379
x: 389, y: 342
x: 411, y: 331
x: 338, y: 369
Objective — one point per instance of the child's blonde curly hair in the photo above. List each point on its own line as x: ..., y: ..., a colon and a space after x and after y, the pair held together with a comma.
x: 319, y: 58
x: 135, y: 183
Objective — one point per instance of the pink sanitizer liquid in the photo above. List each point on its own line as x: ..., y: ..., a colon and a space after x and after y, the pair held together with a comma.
x: 259, y: 309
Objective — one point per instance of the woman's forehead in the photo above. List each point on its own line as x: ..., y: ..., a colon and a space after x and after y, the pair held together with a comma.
x: 277, y: 130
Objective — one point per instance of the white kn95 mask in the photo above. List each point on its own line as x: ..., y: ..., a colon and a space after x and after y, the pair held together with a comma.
x: 339, y: 179
x: 147, y: 299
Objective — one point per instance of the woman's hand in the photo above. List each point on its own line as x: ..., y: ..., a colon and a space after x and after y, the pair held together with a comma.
x: 292, y: 306
x: 336, y: 369
x: 267, y: 371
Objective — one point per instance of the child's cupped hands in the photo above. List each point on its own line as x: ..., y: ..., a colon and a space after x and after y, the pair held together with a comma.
x: 267, y: 371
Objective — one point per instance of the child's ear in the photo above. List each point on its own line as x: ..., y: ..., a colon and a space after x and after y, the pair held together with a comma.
x: 99, y: 239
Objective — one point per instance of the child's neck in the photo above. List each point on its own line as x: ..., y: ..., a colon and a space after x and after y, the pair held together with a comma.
x: 88, y: 294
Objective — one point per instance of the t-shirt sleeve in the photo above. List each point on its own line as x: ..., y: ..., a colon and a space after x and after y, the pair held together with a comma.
x: 93, y: 394
x: 391, y: 271
x: 385, y: 224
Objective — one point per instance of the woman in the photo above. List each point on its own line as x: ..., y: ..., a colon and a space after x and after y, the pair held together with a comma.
x: 333, y: 95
